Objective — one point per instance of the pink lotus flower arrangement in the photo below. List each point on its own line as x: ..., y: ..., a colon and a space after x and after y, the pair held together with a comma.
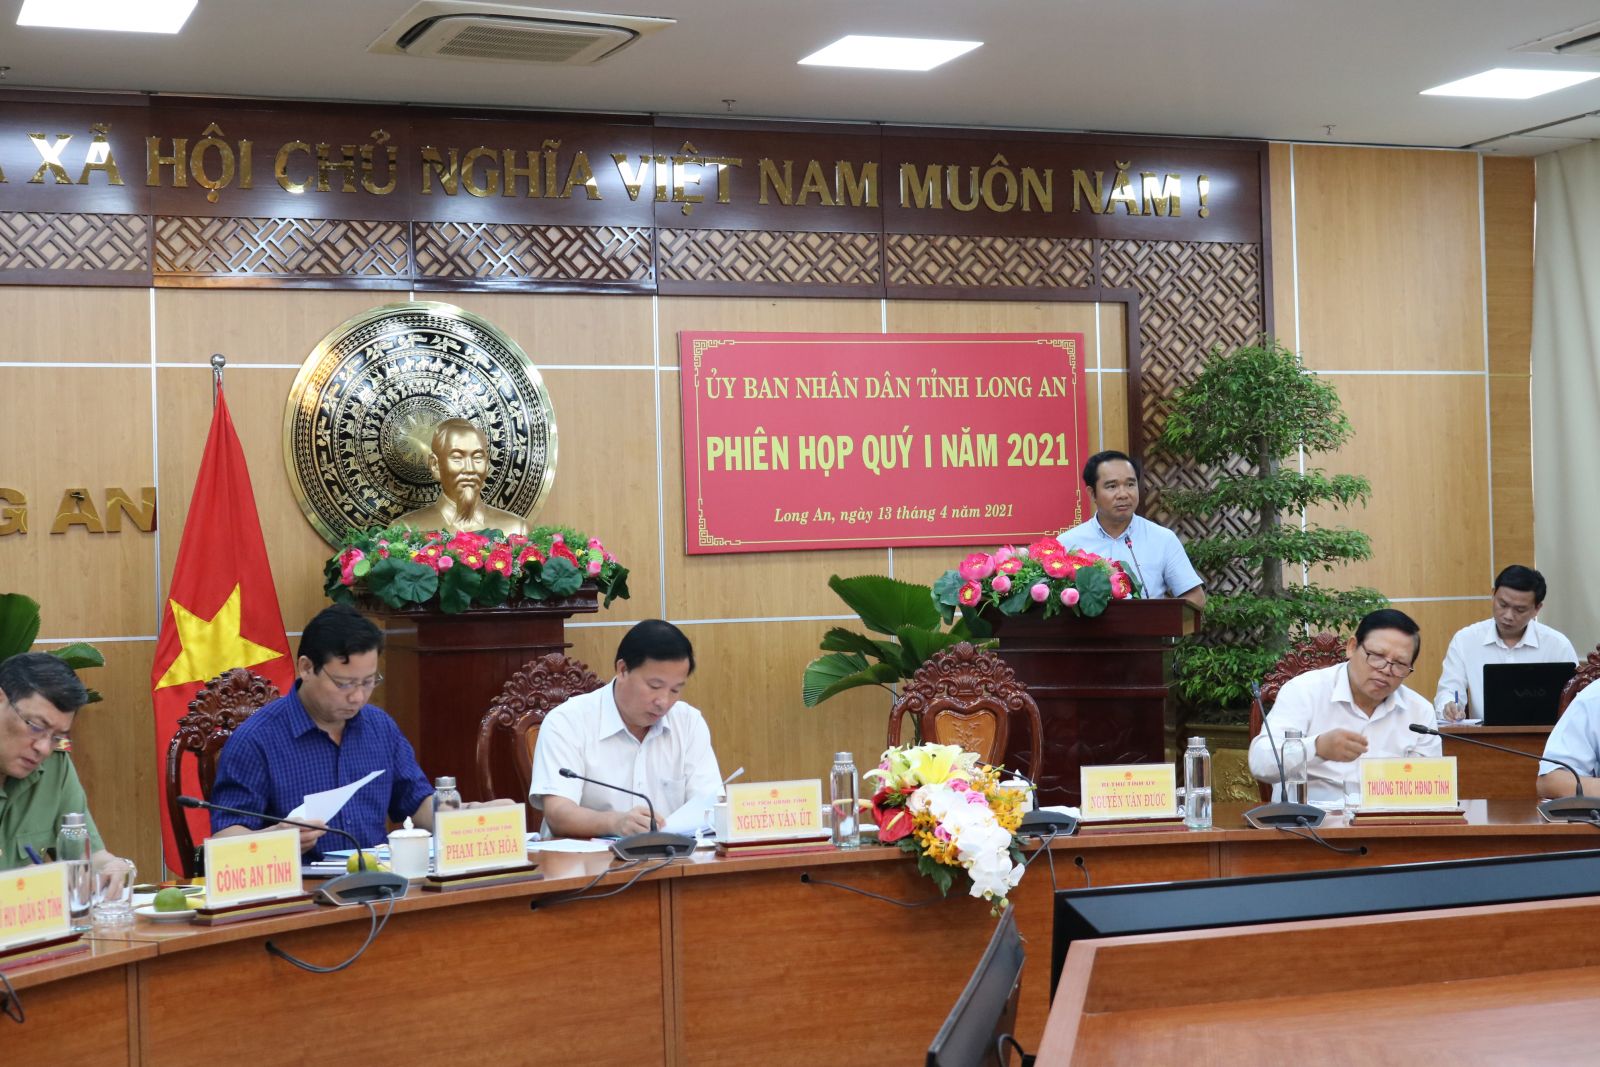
x: 400, y: 567
x: 1042, y: 576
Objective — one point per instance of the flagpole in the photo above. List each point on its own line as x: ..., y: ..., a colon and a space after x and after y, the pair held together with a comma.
x: 218, y: 361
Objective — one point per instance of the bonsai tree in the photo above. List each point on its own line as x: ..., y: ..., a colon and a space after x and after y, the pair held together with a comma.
x: 1249, y: 412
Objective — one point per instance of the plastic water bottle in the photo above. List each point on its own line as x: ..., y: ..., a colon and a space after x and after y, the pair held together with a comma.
x: 72, y: 848
x: 446, y: 797
x: 1294, y: 767
x: 1197, y: 785
x: 842, y: 800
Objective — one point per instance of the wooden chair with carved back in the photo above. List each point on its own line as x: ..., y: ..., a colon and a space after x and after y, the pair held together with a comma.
x: 1313, y: 653
x: 513, y: 720
x: 215, y: 712
x: 1587, y: 672
x: 969, y: 697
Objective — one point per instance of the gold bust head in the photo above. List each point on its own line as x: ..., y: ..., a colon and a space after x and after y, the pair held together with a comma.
x: 459, y: 459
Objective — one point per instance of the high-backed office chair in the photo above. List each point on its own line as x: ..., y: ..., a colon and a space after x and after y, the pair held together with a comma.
x: 1587, y: 672
x: 215, y: 712
x: 969, y: 697
x: 517, y: 713
x: 1313, y: 653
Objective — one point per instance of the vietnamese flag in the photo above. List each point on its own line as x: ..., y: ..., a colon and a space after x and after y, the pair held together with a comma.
x: 221, y: 610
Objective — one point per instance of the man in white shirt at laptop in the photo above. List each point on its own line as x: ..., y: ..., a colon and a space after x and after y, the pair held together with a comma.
x: 1150, y: 552
x: 635, y: 733
x: 1513, y: 634
x: 1352, y: 709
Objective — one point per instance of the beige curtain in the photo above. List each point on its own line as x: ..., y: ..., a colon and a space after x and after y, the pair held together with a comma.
x: 1566, y: 389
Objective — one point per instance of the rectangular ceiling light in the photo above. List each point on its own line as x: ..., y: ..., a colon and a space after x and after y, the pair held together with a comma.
x: 132, y: 16
x: 888, y: 53
x: 1510, y: 83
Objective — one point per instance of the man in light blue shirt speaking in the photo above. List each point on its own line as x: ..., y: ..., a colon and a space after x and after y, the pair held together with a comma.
x: 1151, y: 553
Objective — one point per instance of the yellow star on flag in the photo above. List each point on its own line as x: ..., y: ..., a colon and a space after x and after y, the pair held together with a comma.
x: 211, y: 646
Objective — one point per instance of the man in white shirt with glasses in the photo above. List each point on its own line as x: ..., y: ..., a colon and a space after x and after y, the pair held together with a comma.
x: 1352, y: 709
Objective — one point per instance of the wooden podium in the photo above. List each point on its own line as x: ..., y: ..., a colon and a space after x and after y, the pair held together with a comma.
x: 1101, y: 685
x: 441, y: 672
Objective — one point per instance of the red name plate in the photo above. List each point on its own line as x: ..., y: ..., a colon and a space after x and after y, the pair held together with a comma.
x: 809, y: 441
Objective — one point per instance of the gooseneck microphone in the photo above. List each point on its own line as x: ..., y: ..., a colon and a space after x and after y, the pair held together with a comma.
x: 347, y: 889
x: 655, y: 843
x: 1039, y: 823
x: 1127, y: 539
x: 1578, y: 808
x: 1280, y: 812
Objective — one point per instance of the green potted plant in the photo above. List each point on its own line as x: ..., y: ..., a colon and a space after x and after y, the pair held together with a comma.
x: 1247, y: 414
x: 900, y: 610
x: 19, y: 626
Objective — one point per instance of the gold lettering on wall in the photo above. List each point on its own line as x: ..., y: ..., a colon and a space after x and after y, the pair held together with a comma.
x: 13, y: 511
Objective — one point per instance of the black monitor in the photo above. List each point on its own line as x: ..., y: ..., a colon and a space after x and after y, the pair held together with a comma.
x: 987, y: 1008
x: 1166, y: 907
x: 1524, y: 694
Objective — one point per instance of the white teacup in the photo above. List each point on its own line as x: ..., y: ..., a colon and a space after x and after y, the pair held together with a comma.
x: 408, y: 851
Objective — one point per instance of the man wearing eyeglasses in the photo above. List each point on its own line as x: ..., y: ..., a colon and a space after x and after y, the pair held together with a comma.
x: 321, y: 735
x: 1352, y: 709
x: 41, y: 697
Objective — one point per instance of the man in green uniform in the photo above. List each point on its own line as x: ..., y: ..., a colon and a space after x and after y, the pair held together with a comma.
x: 39, y: 698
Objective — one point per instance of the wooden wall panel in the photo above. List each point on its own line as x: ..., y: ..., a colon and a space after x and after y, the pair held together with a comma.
x: 1508, y: 261
x: 1511, y: 467
x: 1113, y: 348
x: 1508, y: 197
x: 254, y: 325
x: 606, y: 474
x: 1420, y: 439
x: 991, y: 316
x: 255, y: 399
x: 1439, y: 620
x: 1280, y: 161
x: 114, y: 749
x: 557, y: 328
x: 748, y: 684
x: 1389, y: 259
x: 75, y: 325
x: 88, y: 428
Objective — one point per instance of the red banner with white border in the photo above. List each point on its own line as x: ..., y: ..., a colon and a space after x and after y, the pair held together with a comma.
x: 798, y: 441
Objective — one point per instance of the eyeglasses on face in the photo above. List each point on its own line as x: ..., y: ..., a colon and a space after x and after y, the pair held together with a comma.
x: 37, y: 728
x: 1389, y: 666
x: 368, y: 684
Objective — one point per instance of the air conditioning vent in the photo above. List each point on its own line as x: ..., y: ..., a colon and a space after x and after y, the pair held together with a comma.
x: 455, y: 29
x: 1580, y: 41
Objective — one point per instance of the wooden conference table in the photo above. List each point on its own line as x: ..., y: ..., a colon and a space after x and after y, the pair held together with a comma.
x: 705, y: 961
x: 1515, y: 983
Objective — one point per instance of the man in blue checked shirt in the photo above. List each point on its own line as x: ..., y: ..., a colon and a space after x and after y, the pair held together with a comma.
x: 321, y: 735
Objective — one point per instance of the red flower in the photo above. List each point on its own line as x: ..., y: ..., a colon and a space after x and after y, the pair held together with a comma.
x: 560, y: 549
x: 1058, y: 567
x: 893, y: 823
x: 529, y: 553
x: 1010, y: 566
x: 1045, y: 548
x: 969, y: 594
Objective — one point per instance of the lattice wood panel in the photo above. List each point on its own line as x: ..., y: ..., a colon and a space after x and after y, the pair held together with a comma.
x: 989, y: 262
x: 772, y: 256
x: 503, y: 250
x: 1192, y: 296
x: 275, y: 247
x: 77, y: 241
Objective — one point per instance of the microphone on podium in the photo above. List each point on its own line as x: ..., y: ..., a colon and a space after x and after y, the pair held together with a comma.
x: 1577, y: 808
x: 364, y: 885
x: 655, y: 843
